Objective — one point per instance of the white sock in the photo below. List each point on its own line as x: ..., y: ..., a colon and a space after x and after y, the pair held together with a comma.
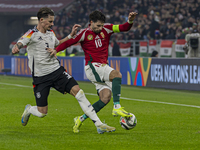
x: 87, y: 107
x: 117, y: 106
x: 34, y: 111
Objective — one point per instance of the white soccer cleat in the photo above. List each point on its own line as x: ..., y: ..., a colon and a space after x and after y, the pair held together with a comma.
x: 25, y: 115
x: 105, y: 128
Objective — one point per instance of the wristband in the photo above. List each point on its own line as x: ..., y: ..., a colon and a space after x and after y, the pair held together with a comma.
x: 69, y: 36
x: 130, y: 22
x: 18, y: 46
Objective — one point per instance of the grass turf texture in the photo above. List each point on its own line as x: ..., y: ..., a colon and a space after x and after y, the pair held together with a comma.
x: 160, y: 126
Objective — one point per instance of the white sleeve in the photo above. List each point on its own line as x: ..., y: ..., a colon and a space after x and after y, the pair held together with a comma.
x: 25, y: 39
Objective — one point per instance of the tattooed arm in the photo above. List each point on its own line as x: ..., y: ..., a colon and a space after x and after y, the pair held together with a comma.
x: 17, y: 47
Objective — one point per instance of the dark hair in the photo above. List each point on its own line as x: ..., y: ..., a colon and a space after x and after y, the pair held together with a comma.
x: 154, y: 53
x: 45, y: 12
x: 97, y: 16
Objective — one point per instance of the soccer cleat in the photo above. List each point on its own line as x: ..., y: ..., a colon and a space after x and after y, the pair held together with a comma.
x: 121, y: 112
x: 25, y: 115
x: 77, y: 125
x: 105, y: 128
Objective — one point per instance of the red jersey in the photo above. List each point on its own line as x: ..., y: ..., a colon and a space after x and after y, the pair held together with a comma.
x: 95, y: 46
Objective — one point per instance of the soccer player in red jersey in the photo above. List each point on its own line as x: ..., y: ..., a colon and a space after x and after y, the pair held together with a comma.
x: 94, y: 41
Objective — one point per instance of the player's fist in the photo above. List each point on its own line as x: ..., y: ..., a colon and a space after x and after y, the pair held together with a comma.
x: 132, y: 16
x: 15, y: 49
x: 74, y: 29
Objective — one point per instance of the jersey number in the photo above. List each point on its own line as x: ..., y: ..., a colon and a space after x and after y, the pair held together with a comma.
x: 47, y: 44
x: 98, y: 43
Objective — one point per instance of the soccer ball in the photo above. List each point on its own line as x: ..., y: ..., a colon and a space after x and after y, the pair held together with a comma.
x: 128, y: 123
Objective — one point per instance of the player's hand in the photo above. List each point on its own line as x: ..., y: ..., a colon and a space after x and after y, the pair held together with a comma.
x: 132, y: 16
x: 52, y: 52
x: 74, y: 29
x: 15, y: 49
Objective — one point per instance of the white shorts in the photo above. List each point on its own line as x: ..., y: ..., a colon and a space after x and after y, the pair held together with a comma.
x: 103, y: 71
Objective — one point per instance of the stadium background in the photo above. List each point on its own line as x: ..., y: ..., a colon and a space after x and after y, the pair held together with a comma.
x: 167, y: 119
x: 158, y: 22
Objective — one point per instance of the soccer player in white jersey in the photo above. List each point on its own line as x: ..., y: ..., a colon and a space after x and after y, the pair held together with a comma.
x: 47, y: 72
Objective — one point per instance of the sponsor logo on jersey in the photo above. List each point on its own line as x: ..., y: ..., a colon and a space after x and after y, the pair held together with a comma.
x: 50, y: 38
x: 90, y: 37
x: 40, y: 38
x: 97, y: 37
x: 103, y: 36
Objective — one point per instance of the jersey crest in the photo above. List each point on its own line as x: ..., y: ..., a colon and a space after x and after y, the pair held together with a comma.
x: 90, y: 37
x: 103, y: 36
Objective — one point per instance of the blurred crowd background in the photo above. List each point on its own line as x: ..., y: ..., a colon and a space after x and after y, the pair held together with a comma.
x: 157, y: 19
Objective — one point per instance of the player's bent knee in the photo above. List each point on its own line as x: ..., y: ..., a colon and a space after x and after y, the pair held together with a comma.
x: 115, y: 74
x: 80, y: 96
x: 105, y: 95
x: 119, y: 75
x: 75, y: 89
x: 106, y: 98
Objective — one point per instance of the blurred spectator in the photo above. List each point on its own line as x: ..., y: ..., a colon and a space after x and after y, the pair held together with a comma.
x: 170, y: 18
x: 116, y: 48
x: 74, y: 53
x: 154, y: 54
x: 193, y: 44
x: 146, y: 32
x: 62, y: 53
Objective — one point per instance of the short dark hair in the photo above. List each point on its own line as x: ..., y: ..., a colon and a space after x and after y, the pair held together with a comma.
x: 45, y: 12
x: 154, y: 53
x: 97, y: 16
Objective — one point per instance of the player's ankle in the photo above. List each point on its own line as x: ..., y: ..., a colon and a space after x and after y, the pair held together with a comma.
x: 117, y: 106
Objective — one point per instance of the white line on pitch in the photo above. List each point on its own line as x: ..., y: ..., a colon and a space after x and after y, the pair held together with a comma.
x: 132, y: 99
x: 141, y: 100
x: 16, y: 85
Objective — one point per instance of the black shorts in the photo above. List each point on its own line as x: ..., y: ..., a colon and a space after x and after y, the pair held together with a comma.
x: 59, y: 79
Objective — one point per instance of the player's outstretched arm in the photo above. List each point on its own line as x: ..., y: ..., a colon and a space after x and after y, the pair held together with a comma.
x: 132, y: 16
x: 126, y: 26
x: 73, y: 33
x: 74, y: 29
x: 17, y: 47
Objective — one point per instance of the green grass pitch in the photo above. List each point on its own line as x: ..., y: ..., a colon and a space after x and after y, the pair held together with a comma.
x: 164, y: 123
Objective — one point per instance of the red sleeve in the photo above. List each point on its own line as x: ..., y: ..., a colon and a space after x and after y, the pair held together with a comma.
x: 65, y: 44
x: 125, y: 27
x: 70, y: 42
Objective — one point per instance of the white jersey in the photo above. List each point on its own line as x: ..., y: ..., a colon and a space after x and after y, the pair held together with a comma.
x: 40, y: 61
